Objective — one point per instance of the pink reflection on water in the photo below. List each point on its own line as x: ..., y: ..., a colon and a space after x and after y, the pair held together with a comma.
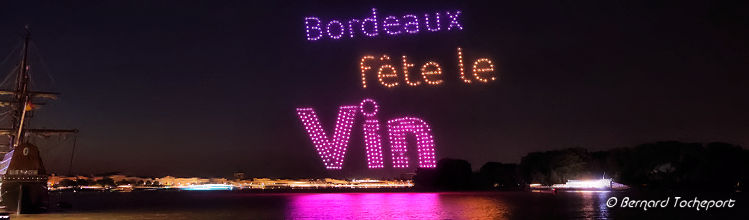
x: 594, y: 205
x: 392, y: 206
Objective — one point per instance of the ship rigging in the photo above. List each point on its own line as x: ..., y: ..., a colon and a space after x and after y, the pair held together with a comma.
x: 24, y: 178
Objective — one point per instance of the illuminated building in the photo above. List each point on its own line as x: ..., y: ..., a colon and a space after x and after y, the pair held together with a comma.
x: 196, y: 183
x: 582, y: 185
x: 599, y: 184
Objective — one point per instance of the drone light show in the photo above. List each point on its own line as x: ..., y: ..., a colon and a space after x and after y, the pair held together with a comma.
x: 398, y: 129
x: 372, y: 136
x: 332, y: 150
x: 371, y: 26
x: 386, y: 73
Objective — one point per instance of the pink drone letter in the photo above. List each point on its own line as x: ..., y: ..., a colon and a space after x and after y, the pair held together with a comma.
x: 332, y: 151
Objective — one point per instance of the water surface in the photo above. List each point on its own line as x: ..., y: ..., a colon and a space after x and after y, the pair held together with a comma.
x: 404, y: 205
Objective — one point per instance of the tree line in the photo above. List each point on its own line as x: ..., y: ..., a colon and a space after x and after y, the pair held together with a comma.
x: 669, y: 165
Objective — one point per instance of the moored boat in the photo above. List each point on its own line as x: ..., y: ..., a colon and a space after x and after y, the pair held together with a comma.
x: 24, y: 179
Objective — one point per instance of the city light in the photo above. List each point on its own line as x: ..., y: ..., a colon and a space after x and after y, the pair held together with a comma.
x: 588, y: 184
x: 208, y: 187
x: 200, y: 184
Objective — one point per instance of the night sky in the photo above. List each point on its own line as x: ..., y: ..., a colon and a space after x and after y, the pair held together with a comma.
x: 209, y: 88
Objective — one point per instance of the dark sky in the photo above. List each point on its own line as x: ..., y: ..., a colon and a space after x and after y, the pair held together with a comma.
x: 208, y: 88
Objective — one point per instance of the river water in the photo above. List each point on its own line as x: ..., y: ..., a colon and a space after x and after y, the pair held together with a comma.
x: 401, y: 205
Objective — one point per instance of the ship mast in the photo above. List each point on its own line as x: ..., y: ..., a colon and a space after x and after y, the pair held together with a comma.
x: 22, y: 87
x: 22, y: 104
x: 29, y: 172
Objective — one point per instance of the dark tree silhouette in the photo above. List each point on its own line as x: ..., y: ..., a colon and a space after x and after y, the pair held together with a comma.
x: 450, y: 174
x: 494, y: 175
x: 661, y: 165
x: 106, y: 181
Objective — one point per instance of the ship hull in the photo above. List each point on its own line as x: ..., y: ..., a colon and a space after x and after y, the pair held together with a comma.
x: 24, y: 180
x: 31, y: 196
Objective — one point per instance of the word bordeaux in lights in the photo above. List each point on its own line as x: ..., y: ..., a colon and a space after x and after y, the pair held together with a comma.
x: 332, y: 150
x: 371, y: 26
x: 431, y: 73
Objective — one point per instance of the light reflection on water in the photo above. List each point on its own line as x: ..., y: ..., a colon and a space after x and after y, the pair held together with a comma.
x: 394, y: 206
x: 241, y: 205
x: 593, y: 205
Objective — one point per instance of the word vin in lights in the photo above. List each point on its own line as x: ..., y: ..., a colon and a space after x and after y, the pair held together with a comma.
x: 332, y: 150
x: 371, y: 26
x: 388, y: 75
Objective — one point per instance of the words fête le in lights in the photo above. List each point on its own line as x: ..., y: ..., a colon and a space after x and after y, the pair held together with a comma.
x: 388, y: 75
x: 316, y: 28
